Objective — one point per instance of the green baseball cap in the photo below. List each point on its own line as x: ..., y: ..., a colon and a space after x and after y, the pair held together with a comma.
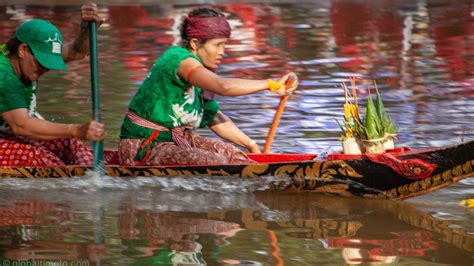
x: 46, y: 42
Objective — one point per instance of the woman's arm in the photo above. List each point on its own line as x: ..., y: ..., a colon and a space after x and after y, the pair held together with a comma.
x: 226, y: 129
x: 195, y: 73
x: 79, y: 48
x: 24, y: 125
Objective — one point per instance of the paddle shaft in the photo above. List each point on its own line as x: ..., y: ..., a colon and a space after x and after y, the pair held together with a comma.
x: 98, y: 145
x: 276, y: 121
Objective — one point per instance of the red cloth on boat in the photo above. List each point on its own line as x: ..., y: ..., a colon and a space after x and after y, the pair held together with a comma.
x: 21, y: 151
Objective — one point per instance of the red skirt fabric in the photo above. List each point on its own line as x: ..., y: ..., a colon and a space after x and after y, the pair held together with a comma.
x: 21, y: 151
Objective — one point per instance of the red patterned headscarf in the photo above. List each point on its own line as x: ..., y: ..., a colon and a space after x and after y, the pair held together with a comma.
x: 207, y: 28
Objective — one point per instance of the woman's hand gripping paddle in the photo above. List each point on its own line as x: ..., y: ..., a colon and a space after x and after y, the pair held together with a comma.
x: 276, y: 120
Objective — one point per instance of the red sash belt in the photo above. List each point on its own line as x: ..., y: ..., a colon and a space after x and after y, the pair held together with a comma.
x: 177, y: 134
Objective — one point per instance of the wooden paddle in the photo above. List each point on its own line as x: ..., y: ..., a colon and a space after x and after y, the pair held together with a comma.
x: 276, y: 119
x: 98, y: 145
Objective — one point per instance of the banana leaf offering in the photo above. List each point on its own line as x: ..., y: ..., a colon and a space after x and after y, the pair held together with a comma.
x: 376, y: 129
x: 387, y: 125
x: 373, y: 122
x: 352, y: 125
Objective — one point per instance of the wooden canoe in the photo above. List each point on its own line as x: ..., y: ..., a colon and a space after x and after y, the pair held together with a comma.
x: 398, y: 174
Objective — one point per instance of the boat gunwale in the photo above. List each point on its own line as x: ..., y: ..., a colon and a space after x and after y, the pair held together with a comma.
x: 355, y: 158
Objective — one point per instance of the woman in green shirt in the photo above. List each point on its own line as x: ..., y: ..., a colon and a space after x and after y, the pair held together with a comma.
x: 25, y: 137
x: 177, y: 97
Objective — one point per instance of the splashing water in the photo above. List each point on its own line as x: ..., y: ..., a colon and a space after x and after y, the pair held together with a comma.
x: 93, y: 181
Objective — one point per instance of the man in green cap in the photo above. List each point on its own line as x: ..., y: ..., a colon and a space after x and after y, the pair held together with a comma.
x: 26, y: 139
x: 45, y: 41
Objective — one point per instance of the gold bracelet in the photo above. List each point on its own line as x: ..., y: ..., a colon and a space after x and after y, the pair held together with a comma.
x: 70, y: 131
x: 273, y: 85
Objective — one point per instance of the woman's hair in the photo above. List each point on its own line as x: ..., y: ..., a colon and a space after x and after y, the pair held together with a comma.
x: 201, y: 12
x: 12, y: 45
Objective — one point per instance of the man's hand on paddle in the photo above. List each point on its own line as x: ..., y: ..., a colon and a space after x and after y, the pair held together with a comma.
x: 89, y: 13
x: 79, y: 47
x: 289, y: 84
x: 93, y: 130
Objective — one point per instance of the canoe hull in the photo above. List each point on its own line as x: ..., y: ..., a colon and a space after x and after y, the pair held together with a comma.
x: 362, y: 176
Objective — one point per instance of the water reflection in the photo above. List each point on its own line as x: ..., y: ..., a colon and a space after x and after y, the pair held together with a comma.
x: 266, y: 229
x: 169, y: 237
x: 41, y: 230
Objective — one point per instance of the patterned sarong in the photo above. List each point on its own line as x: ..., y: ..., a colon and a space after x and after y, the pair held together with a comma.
x: 203, y: 151
x: 21, y: 151
x: 186, y: 148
